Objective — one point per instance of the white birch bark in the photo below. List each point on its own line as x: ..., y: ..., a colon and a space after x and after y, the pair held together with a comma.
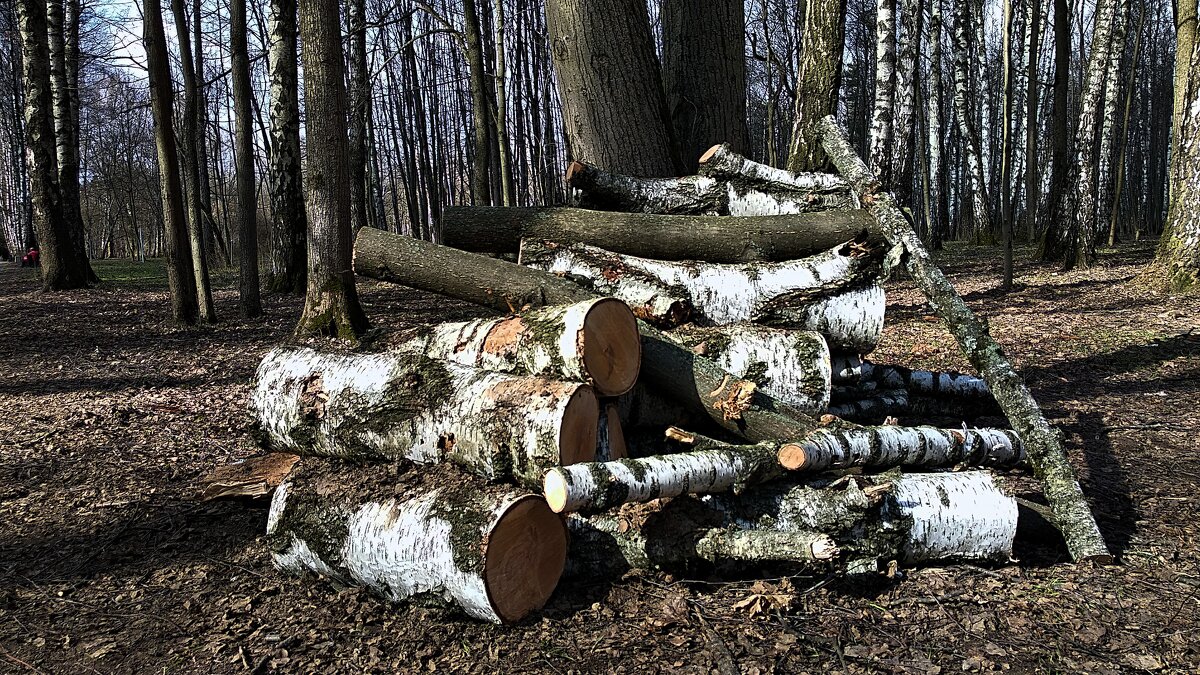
x: 854, y: 372
x: 1108, y: 128
x: 431, y: 543
x: 892, y: 446
x: 793, y: 366
x: 756, y: 189
x: 961, y: 516
x: 882, y: 134
x: 852, y: 320
x: 906, y: 94
x: 554, y: 342
x: 977, y: 187
x: 406, y: 406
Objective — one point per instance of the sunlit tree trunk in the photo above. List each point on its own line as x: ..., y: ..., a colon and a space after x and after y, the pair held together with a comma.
x: 976, y: 187
x: 882, y: 118
x: 820, y: 75
x: 1178, y: 259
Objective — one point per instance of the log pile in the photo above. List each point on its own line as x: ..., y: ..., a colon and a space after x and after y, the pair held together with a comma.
x: 697, y: 402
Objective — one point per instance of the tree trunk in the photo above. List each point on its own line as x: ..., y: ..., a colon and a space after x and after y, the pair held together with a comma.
x: 507, y: 197
x: 331, y: 301
x: 494, y: 552
x: 63, y: 42
x: 1033, y: 178
x: 1006, y: 148
x: 791, y: 365
x: 977, y: 182
x: 914, y: 519
x: 939, y: 211
x: 1061, y: 209
x: 904, y: 130
x: 715, y: 239
x: 888, y: 446
x: 290, y: 226
x: 818, y: 81
x: 704, y: 74
x: 610, y: 435
x: 695, y: 382
x: 406, y: 406
x: 481, y: 192
x: 614, y: 108
x: 190, y: 163
x: 1046, y: 454
x: 247, y: 199
x: 1185, y: 41
x: 180, y: 277
x: 1178, y: 260
x: 865, y: 375
x: 594, y: 341
x: 882, y: 134
x: 708, y: 194
x: 359, y: 101
x: 1123, y: 141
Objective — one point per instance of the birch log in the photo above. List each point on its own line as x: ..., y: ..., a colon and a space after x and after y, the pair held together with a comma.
x: 914, y: 519
x: 1073, y: 516
x: 835, y: 290
x: 407, y: 406
x: 594, y: 341
x: 853, y: 372
x: 760, y: 189
x: 895, y: 446
x: 651, y: 298
x: 713, y: 467
x: 718, y: 239
x: 493, y: 551
x: 729, y: 194
x: 873, y: 406
x: 696, y: 383
x: 793, y: 366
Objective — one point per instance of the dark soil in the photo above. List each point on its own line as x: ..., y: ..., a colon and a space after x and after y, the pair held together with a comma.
x: 109, y: 415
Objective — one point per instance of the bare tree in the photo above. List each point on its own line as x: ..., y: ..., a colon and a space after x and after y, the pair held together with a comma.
x: 976, y: 186
x: 290, y: 226
x: 882, y: 134
x: 331, y: 303
x: 247, y: 202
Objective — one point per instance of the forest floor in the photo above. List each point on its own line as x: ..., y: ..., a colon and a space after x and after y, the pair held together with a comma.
x: 109, y: 414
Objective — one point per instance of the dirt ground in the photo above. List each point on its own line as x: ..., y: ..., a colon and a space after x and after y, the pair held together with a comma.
x: 109, y: 414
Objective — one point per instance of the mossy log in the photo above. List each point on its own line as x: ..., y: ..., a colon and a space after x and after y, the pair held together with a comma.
x: 651, y: 298
x: 711, y: 466
x: 853, y: 372
x: 695, y: 382
x: 722, y: 294
x: 594, y: 341
x: 1072, y: 513
x: 716, y: 239
x: 493, y: 551
x: 729, y: 194
x: 913, y: 519
x: 399, y: 405
x: 792, y: 365
x: 895, y: 446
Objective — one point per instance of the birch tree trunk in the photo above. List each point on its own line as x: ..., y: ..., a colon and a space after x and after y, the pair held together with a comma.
x: 501, y: 117
x: 977, y: 183
x: 331, y: 302
x: 939, y: 213
x: 177, y: 249
x: 1006, y: 149
x: 888, y: 446
x: 1105, y: 163
x: 818, y: 81
x: 247, y: 198
x: 908, y: 46
x: 290, y: 225
x: 882, y: 134
x: 1046, y: 455
x: 1177, y: 262
x: 494, y: 552
x: 1185, y: 41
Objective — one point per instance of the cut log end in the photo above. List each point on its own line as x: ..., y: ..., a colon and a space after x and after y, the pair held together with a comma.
x: 709, y: 153
x: 612, y: 347
x: 554, y: 488
x: 525, y: 556
x: 572, y: 169
x: 792, y: 456
x: 580, y: 425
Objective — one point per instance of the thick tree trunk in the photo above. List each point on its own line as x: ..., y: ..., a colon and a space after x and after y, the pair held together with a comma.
x: 1177, y: 264
x: 885, y: 447
x: 1046, y: 454
x: 938, y: 215
x: 247, y: 198
x: 331, y: 301
x: 704, y: 74
x: 791, y: 365
x: 918, y: 518
x: 696, y: 383
x: 820, y: 74
x: 177, y: 249
x: 406, y: 406
x: 594, y: 341
x: 358, y: 92
x: 614, y: 108
x: 876, y: 406
x: 707, y: 194
x: 494, y: 552
x: 716, y: 239
x: 1185, y: 41
x: 290, y: 226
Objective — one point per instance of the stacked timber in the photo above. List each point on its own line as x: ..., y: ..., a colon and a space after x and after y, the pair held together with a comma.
x: 679, y: 381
